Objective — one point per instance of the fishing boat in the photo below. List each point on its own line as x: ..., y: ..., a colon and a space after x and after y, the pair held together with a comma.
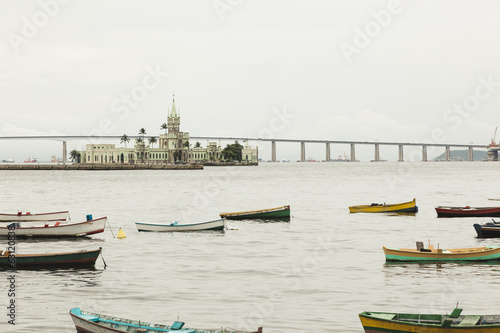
x: 384, y: 322
x: 442, y: 255
x: 282, y: 212
x: 467, y: 211
x: 405, y: 207
x: 49, y: 260
x: 54, y: 229
x: 488, y: 230
x: 54, y: 216
x: 88, y: 322
x: 175, y: 227
x: 10, y: 160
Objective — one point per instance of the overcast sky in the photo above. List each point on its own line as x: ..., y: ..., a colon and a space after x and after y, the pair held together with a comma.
x: 310, y: 69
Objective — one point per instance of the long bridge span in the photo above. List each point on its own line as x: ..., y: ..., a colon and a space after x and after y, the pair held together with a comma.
x: 327, y: 143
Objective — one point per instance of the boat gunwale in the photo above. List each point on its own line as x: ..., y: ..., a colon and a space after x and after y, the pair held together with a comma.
x: 178, y: 225
x: 50, y: 226
x: 38, y: 214
x: 255, y: 212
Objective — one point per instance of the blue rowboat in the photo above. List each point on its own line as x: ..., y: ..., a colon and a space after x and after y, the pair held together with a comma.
x: 87, y: 322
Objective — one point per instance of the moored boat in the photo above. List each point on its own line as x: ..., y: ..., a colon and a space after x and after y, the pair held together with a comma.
x: 54, y: 229
x: 49, y: 260
x: 389, y: 322
x: 20, y: 216
x: 442, y: 255
x: 488, y: 230
x: 175, y: 227
x: 282, y: 212
x: 467, y: 211
x: 88, y: 322
x: 405, y: 207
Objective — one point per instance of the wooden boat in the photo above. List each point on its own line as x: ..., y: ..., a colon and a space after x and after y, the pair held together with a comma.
x: 49, y: 260
x: 439, y: 255
x: 175, y: 227
x: 405, y: 207
x: 55, y: 216
x: 282, y: 212
x: 488, y: 230
x: 54, y: 229
x: 87, y: 322
x: 383, y: 322
x: 467, y: 211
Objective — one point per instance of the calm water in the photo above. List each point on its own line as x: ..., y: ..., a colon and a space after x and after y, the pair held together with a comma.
x: 312, y: 274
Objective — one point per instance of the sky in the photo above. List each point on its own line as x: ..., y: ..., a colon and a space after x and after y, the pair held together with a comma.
x: 406, y: 71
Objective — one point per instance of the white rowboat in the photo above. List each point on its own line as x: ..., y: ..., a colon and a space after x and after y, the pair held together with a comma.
x: 54, y: 229
x: 174, y: 227
x: 55, y: 216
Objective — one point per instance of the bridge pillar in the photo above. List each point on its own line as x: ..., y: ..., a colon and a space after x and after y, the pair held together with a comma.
x: 302, y: 151
x: 328, y: 152
x: 65, y: 153
x: 447, y: 153
x: 273, y: 151
x: 400, y: 154
x: 471, y: 154
x: 424, y: 153
x: 377, y: 152
x: 353, y: 152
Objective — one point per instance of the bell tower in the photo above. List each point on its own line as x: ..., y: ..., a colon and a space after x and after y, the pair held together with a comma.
x: 173, y: 119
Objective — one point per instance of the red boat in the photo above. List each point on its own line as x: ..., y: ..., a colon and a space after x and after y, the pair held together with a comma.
x: 467, y: 211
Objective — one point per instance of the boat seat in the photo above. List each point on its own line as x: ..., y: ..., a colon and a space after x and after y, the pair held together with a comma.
x: 470, y: 321
x: 57, y: 223
x: 89, y: 317
x: 177, y: 325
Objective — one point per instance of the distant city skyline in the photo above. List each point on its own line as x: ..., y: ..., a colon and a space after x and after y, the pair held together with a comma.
x: 336, y: 70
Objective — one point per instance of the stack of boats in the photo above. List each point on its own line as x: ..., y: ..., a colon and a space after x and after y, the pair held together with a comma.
x: 55, y: 224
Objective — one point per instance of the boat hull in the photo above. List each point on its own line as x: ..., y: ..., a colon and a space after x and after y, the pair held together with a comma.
x: 271, y: 213
x: 405, y: 207
x: 51, y: 260
x: 488, y: 230
x: 443, y: 211
x: 55, y: 216
x: 204, y: 226
x: 443, y: 255
x: 86, y: 322
x: 376, y: 325
x: 56, y: 230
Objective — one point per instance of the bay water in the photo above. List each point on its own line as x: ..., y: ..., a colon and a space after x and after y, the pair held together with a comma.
x: 314, y: 273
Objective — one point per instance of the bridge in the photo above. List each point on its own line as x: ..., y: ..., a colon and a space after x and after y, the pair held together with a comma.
x: 327, y: 143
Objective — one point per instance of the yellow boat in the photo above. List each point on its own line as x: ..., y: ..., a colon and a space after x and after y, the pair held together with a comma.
x: 405, y: 207
x: 382, y: 322
x: 431, y: 254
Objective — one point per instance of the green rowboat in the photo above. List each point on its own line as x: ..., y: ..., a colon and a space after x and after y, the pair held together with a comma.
x: 282, y: 212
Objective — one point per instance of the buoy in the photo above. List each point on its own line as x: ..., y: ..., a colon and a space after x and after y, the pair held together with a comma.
x: 121, y: 234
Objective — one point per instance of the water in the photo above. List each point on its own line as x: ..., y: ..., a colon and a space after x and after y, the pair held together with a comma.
x: 312, y: 274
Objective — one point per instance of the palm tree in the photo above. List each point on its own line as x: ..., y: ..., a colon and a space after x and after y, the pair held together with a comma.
x: 74, y: 156
x: 197, y: 145
x: 142, y: 131
x: 164, y: 126
x: 152, y: 140
x: 125, y: 139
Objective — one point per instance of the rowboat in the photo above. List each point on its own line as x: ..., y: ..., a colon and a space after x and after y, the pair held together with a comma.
x: 383, y: 322
x: 55, y: 216
x: 405, y: 207
x: 175, y: 227
x: 488, y: 230
x: 467, y: 211
x: 439, y: 255
x: 282, y: 212
x: 49, y: 260
x: 88, y: 322
x: 54, y: 229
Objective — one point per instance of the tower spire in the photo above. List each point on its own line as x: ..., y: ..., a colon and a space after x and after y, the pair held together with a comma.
x: 174, y: 110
